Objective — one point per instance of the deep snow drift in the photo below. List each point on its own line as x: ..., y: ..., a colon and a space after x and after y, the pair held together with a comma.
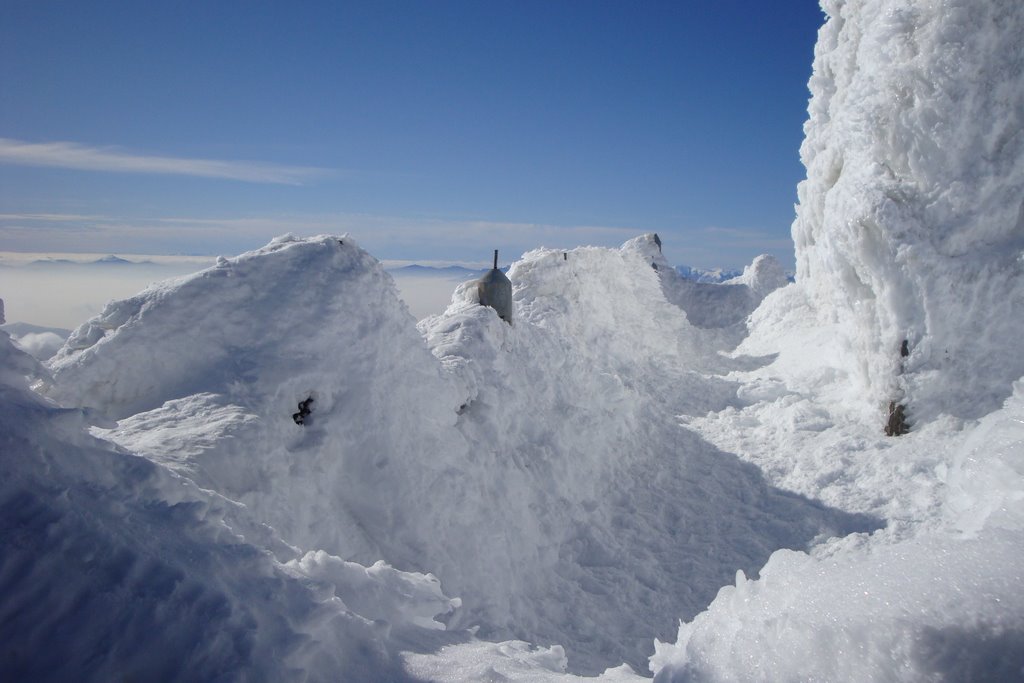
x: 114, y: 567
x: 910, y: 227
x: 583, y: 478
x: 536, y: 469
x: 911, y: 220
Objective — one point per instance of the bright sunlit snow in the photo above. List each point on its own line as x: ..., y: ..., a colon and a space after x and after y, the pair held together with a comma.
x: 270, y: 470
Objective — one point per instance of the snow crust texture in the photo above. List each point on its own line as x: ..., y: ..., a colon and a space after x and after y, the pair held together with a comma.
x: 472, y: 500
x: 910, y: 224
x: 909, y: 228
x: 936, y: 600
x: 536, y: 469
x: 114, y: 567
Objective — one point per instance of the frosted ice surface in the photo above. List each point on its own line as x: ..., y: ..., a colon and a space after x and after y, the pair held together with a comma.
x: 910, y: 227
x: 537, y: 470
x: 469, y: 500
x: 910, y: 224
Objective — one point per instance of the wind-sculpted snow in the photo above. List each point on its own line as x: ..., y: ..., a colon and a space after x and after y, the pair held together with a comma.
x: 113, y: 568
x: 572, y: 410
x: 911, y: 221
x: 909, y: 228
x: 218, y: 363
x: 590, y: 474
x: 536, y: 469
x: 938, y: 600
x: 722, y: 306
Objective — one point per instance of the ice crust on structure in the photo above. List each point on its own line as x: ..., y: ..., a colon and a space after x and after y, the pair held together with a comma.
x: 909, y: 227
x: 536, y: 469
x: 911, y: 220
x: 583, y: 478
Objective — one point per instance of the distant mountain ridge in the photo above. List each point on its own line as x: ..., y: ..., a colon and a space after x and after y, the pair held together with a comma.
x: 109, y: 260
x: 713, y: 275
x: 453, y: 272
x: 702, y: 275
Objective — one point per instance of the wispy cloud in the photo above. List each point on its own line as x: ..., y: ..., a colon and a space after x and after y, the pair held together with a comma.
x: 416, y: 237
x: 48, y: 217
x: 87, y: 158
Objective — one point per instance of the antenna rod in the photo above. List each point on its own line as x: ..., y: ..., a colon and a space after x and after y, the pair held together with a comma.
x: 495, y: 258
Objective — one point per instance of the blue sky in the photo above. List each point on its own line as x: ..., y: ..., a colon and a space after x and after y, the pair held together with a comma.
x: 429, y: 130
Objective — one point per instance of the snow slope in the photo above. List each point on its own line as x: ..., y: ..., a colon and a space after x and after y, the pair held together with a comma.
x: 934, y: 597
x: 909, y: 227
x: 585, y: 477
x: 536, y: 469
x: 114, y: 567
x: 709, y: 305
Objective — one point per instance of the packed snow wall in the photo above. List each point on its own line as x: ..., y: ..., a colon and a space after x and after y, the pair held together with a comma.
x: 537, y: 469
x: 113, y: 567
x: 910, y: 224
x: 909, y: 229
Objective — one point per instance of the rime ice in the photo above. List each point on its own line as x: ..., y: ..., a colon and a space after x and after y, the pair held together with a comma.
x: 470, y: 500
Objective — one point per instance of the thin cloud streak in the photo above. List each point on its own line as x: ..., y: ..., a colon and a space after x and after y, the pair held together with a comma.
x: 49, y: 217
x: 75, y: 156
x: 431, y: 238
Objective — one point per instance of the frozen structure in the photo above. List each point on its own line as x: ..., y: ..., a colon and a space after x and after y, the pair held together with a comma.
x: 910, y: 249
x: 638, y: 467
x: 911, y: 221
x: 494, y: 289
x: 462, y: 449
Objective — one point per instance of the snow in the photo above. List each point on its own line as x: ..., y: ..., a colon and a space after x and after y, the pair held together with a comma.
x: 537, y: 470
x: 910, y: 223
x: 641, y: 471
x: 115, y: 567
x: 40, y: 345
x: 712, y: 275
x: 709, y: 305
x: 909, y: 227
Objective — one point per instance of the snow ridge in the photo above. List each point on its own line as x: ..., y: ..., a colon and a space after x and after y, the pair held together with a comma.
x: 909, y: 231
x: 537, y: 469
x: 114, y: 567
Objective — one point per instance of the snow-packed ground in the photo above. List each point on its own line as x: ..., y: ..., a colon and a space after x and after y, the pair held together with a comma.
x: 909, y: 233
x: 537, y: 469
x: 637, y: 458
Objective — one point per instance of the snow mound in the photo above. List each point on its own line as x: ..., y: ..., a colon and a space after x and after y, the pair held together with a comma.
x: 944, y: 604
x: 927, y: 609
x: 712, y: 304
x: 572, y: 409
x: 241, y: 321
x: 909, y: 228
x: 114, y: 567
x: 910, y: 224
x: 536, y: 469
x: 763, y: 276
x: 206, y: 373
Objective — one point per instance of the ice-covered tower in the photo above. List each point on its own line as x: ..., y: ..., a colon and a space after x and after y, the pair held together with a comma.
x: 910, y: 224
x: 495, y: 290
